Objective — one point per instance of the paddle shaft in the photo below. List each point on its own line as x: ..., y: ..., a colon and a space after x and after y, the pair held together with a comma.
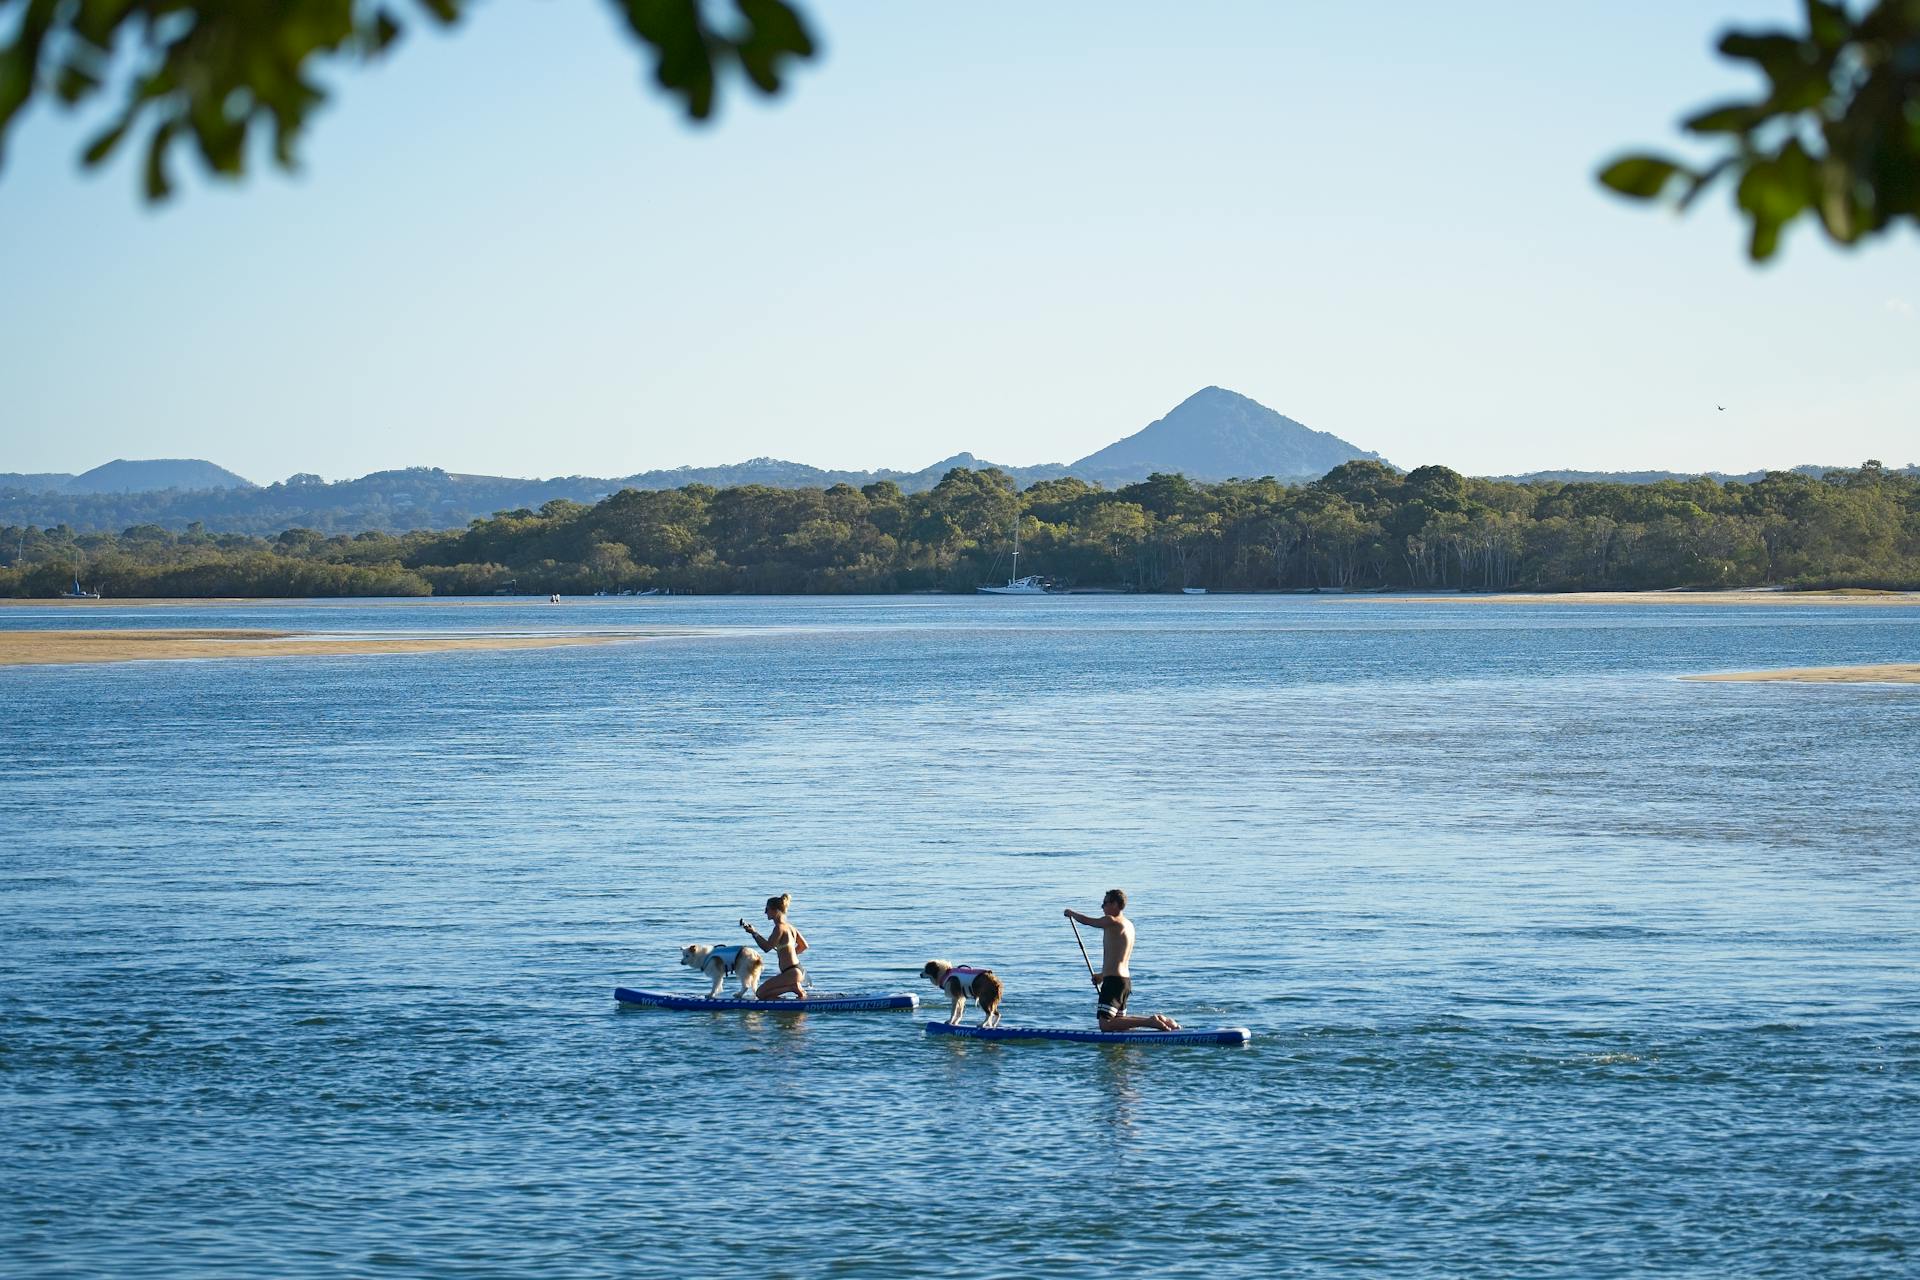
x: 1075, y: 926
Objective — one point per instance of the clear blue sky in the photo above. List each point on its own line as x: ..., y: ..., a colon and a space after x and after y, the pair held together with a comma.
x: 1020, y: 230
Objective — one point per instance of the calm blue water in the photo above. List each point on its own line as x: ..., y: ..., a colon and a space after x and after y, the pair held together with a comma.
x: 1557, y: 965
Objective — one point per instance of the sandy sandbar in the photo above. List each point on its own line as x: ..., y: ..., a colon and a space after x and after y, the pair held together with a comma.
x: 1884, y: 673
x: 1855, y: 597
x: 33, y: 648
x: 305, y: 602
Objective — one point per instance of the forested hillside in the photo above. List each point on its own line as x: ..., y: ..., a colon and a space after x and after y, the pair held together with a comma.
x: 1362, y: 526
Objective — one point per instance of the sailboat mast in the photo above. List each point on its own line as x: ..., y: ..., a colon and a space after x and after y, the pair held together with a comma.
x: 1016, y: 548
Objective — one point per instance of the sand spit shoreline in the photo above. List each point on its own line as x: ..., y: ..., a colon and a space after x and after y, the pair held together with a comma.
x: 1881, y: 673
x: 50, y: 648
x: 1736, y: 597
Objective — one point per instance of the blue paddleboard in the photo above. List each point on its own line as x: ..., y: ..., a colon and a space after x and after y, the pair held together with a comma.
x: 1209, y: 1035
x: 812, y: 1004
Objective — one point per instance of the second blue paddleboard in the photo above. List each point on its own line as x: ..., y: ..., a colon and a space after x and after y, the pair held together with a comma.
x: 1208, y: 1035
x: 812, y: 1004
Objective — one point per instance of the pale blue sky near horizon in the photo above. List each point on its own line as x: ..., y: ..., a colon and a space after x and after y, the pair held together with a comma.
x: 1019, y: 231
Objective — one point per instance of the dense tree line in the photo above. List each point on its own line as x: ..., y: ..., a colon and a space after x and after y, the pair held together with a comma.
x: 1362, y: 526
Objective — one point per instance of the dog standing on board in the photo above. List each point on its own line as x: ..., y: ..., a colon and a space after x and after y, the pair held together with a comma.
x: 962, y: 982
x: 716, y: 963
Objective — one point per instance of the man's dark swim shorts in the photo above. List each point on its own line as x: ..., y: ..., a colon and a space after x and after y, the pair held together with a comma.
x: 1113, y: 996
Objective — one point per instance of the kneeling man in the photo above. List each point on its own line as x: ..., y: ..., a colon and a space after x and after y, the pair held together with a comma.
x: 1113, y: 982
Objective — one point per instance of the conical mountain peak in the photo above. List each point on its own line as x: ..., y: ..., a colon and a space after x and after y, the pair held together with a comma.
x: 1217, y: 434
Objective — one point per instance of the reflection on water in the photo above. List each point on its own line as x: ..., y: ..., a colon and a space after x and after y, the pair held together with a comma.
x: 1117, y: 1073
x: 1557, y: 965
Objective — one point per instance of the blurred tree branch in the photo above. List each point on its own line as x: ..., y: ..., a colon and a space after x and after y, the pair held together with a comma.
x: 1835, y: 133
x: 204, y: 73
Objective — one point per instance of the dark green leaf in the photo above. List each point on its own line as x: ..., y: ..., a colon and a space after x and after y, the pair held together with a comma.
x: 775, y: 34
x: 74, y: 83
x: 159, y: 185
x: 1797, y: 173
x: 1835, y: 200
x: 1732, y: 117
x: 385, y: 30
x: 1799, y: 70
x: 683, y: 63
x: 104, y: 142
x: 1766, y: 48
x: 16, y: 81
x: 1828, y: 24
x: 1641, y: 177
x: 1774, y: 193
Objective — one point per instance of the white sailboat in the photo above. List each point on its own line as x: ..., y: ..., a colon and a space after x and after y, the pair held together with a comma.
x: 1031, y: 585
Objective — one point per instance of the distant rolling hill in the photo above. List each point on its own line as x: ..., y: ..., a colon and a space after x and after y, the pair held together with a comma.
x: 35, y: 481
x: 1216, y: 434
x: 1212, y: 435
x: 778, y: 474
x: 126, y: 476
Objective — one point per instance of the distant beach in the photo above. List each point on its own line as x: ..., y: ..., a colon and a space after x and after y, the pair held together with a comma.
x: 1737, y: 597
x: 37, y: 648
x: 1884, y: 673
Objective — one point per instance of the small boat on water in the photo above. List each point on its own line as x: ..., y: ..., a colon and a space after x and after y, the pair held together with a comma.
x: 1031, y: 585
x: 78, y: 594
x: 1200, y: 1035
x: 812, y: 1004
x: 1193, y: 591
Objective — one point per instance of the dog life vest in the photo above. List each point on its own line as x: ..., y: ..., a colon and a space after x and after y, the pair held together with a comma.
x: 966, y: 976
x: 727, y: 956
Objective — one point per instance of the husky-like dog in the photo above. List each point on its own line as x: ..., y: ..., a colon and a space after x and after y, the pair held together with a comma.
x: 960, y: 982
x: 717, y: 962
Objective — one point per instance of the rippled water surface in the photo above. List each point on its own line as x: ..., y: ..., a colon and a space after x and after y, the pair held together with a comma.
x: 1557, y: 965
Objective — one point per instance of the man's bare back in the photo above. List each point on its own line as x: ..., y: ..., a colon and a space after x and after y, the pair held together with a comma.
x: 1116, y: 945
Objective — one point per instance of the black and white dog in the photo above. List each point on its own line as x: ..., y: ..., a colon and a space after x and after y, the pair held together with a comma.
x: 960, y: 983
x: 717, y: 962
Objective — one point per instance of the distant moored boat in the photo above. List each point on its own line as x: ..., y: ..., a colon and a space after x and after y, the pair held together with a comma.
x: 1027, y: 586
x: 1031, y: 585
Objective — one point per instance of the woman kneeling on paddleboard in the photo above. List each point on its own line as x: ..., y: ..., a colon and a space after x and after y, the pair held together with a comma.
x: 785, y: 940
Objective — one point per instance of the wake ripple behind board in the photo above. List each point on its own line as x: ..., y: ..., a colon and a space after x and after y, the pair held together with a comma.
x: 812, y: 1004
x: 1207, y: 1035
